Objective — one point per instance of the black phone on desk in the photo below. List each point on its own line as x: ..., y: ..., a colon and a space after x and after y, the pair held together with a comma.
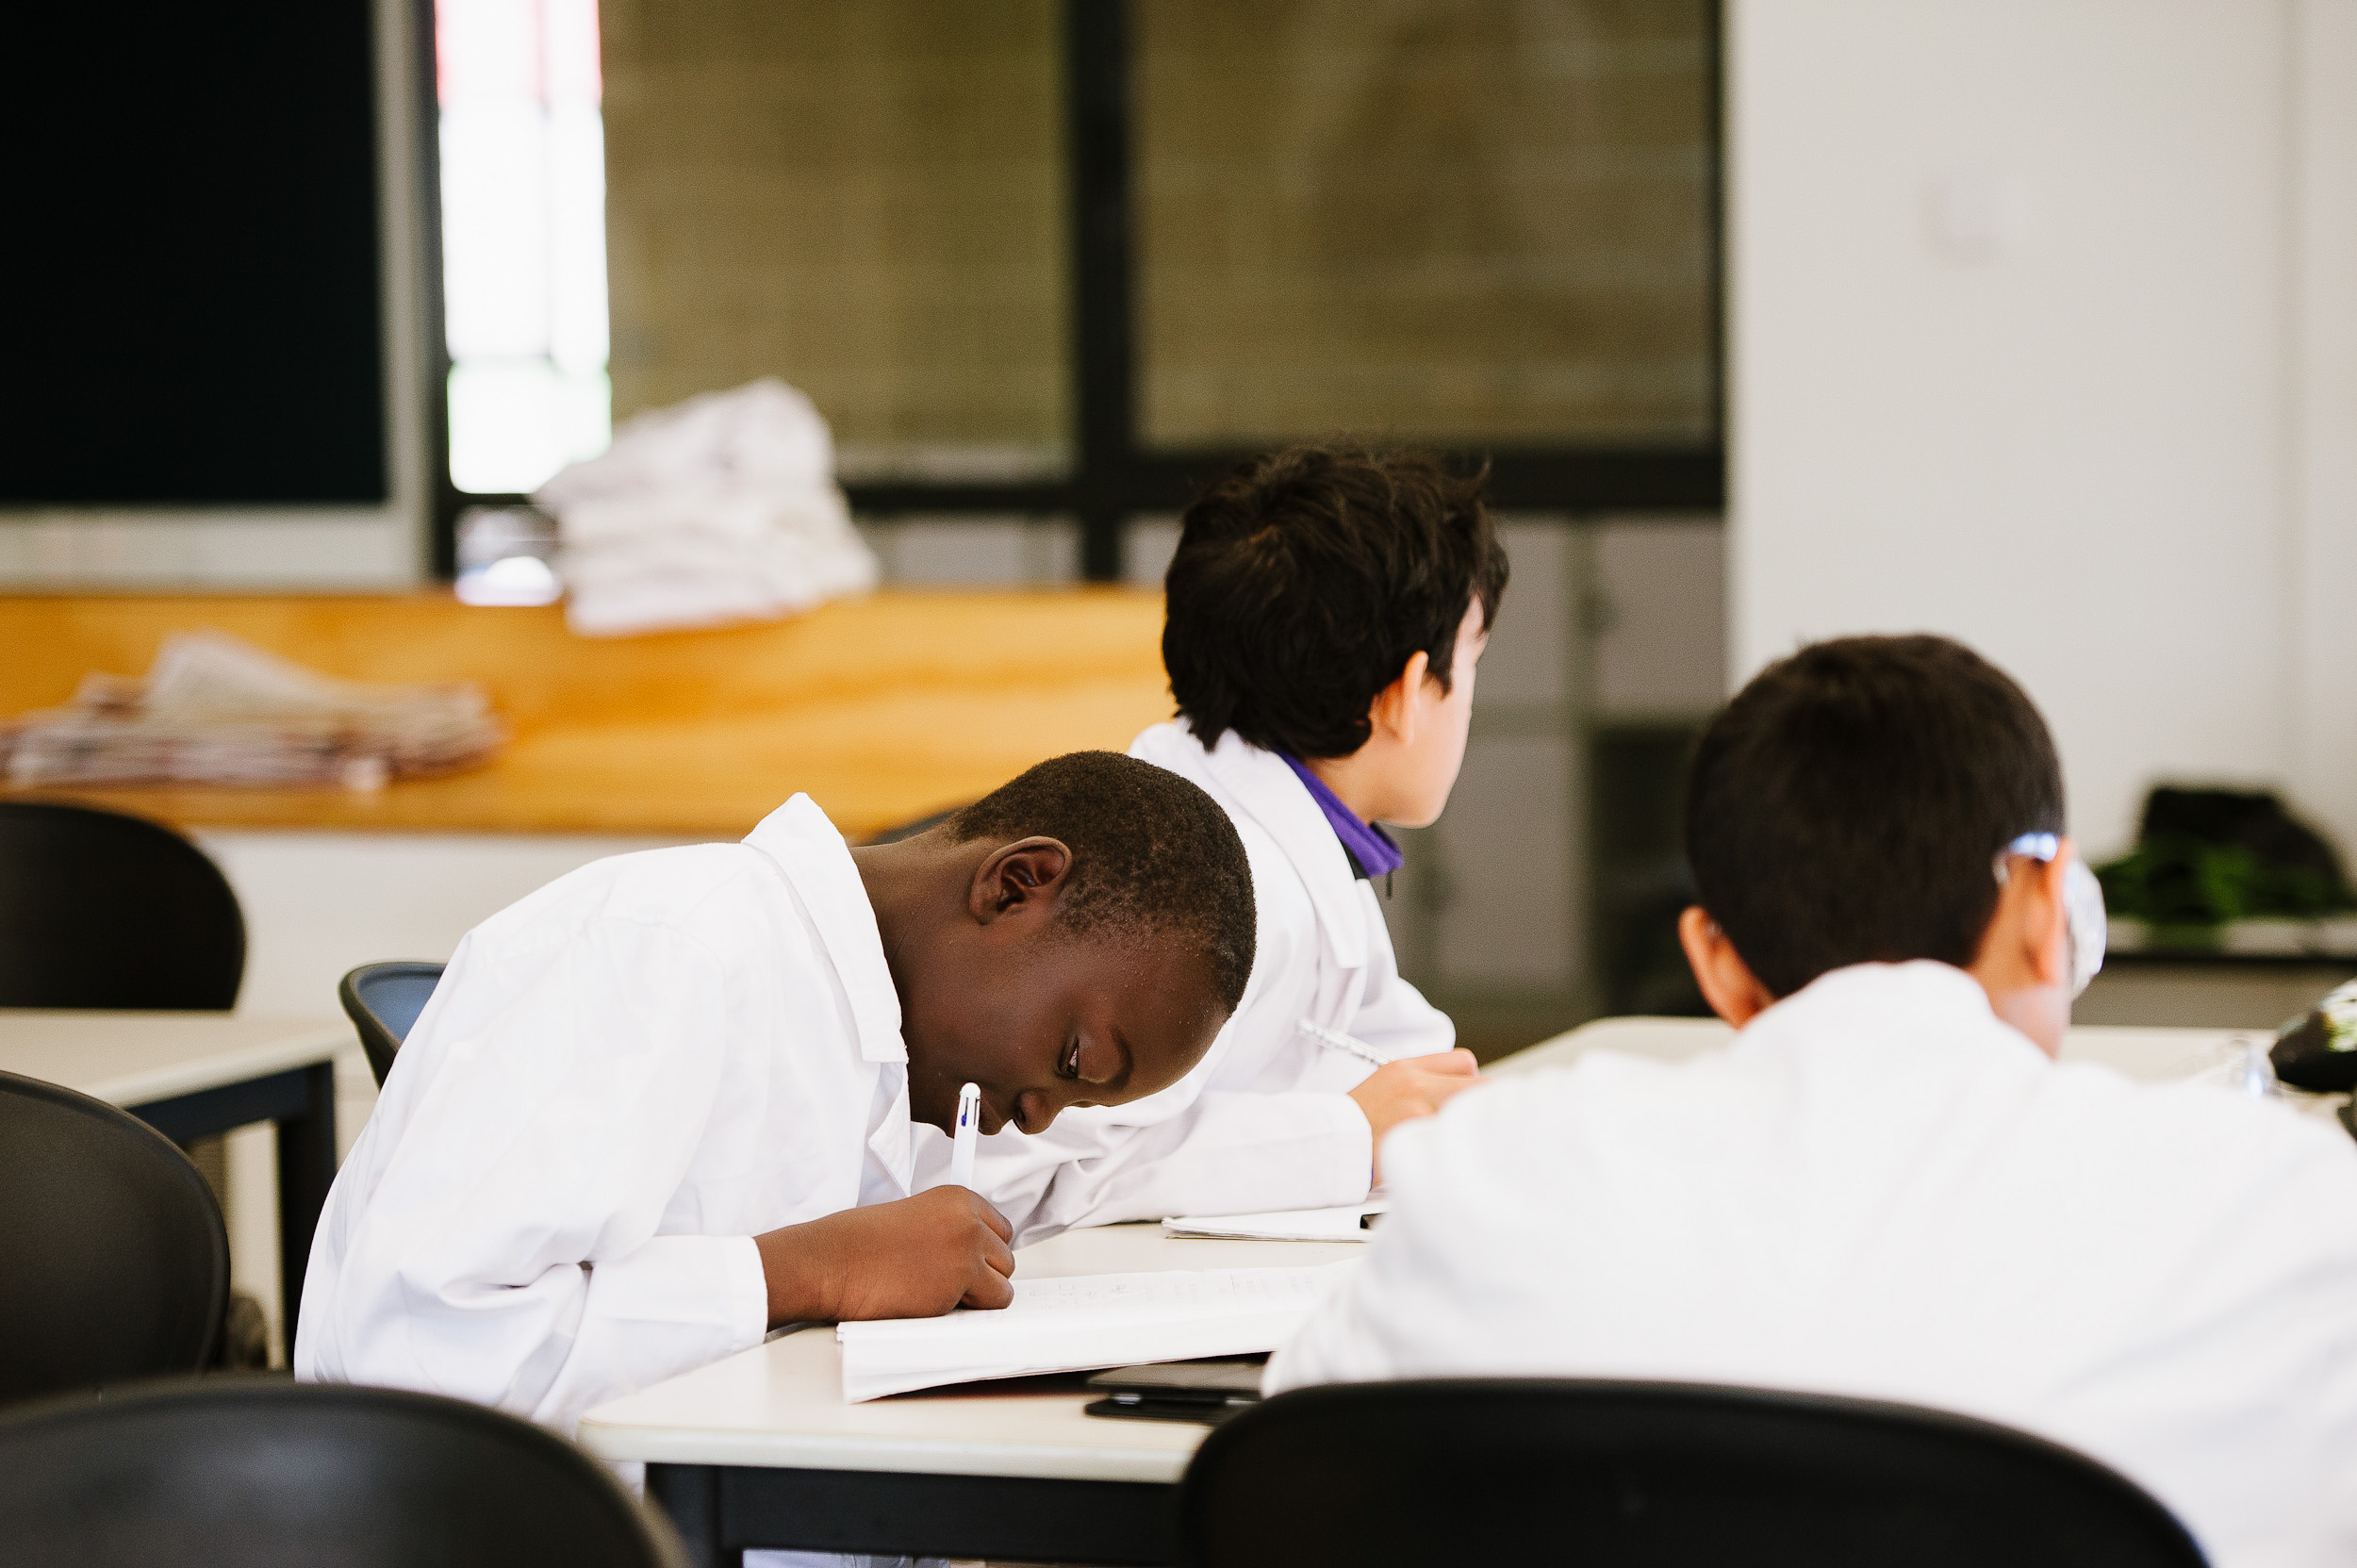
x: 1208, y: 1392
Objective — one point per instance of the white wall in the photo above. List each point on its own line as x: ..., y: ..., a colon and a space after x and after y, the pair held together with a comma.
x: 2324, y: 395
x: 318, y: 904
x: 2015, y: 313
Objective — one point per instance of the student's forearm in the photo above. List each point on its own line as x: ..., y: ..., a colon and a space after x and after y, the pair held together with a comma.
x: 805, y: 1285
x: 917, y: 1256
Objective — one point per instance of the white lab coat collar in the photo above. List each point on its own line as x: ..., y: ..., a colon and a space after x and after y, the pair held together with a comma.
x: 1893, y: 1006
x: 807, y: 848
x: 1262, y: 784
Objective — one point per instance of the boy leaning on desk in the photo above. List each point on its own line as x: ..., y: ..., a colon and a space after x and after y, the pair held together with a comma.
x: 665, y: 1103
x: 1887, y: 1186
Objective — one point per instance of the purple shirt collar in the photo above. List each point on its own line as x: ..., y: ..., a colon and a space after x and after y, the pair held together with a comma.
x: 1372, y: 854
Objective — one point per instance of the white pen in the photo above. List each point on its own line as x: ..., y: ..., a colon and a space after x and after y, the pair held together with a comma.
x: 969, y: 1129
x: 1334, y: 1039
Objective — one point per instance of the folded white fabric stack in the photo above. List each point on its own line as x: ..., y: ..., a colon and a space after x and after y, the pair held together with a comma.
x: 723, y: 508
x: 217, y: 710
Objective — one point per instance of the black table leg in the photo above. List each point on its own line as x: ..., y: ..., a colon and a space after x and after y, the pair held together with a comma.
x: 690, y: 1495
x: 302, y: 1100
x: 306, y: 1168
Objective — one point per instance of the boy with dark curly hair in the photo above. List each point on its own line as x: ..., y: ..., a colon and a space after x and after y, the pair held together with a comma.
x: 1327, y: 608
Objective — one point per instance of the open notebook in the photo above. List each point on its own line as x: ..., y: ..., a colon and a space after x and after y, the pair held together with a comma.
x: 1085, y: 1322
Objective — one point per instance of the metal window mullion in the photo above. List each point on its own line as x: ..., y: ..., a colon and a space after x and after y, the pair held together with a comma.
x: 1104, y: 350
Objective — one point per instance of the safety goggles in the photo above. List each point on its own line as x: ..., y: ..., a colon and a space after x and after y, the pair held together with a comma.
x: 2082, y: 903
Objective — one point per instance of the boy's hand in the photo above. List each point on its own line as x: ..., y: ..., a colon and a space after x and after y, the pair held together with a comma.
x: 916, y: 1258
x: 1411, y: 1087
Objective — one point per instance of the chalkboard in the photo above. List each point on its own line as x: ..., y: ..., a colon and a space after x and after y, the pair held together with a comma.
x: 190, y: 300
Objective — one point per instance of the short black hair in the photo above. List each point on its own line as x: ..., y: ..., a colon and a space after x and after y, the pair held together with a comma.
x: 1846, y: 807
x: 1152, y: 855
x: 1304, y: 582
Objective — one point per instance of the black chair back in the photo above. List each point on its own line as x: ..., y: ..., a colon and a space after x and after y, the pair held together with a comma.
x: 1615, y: 1474
x: 114, y: 1265
x: 264, y: 1471
x: 382, y: 1001
x: 102, y: 910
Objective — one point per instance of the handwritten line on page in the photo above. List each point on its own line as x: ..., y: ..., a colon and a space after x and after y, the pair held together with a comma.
x: 1085, y: 1322
x: 1345, y: 1224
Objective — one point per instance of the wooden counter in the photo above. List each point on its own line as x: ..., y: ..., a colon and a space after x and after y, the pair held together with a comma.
x: 884, y: 709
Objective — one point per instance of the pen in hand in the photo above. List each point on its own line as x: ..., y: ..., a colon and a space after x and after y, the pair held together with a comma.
x: 969, y: 1129
x: 1334, y: 1039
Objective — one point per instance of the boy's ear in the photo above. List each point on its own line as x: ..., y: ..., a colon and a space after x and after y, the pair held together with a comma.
x: 1727, y: 981
x: 1394, y: 710
x: 2024, y: 958
x: 2033, y: 920
x: 1030, y: 871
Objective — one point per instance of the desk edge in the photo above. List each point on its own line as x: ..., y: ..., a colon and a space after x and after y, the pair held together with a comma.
x: 903, y: 1456
x: 314, y: 1045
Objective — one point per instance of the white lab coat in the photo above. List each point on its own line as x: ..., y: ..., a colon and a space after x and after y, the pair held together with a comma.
x: 1264, y: 1121
x: 1881, y: 1190
x: 620, y: 1081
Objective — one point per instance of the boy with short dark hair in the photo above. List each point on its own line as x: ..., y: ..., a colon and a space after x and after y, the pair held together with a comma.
x: 1887, y: 1186
x: 1793, y: 792
x: 665, y: 1103
x: 1326, y: 607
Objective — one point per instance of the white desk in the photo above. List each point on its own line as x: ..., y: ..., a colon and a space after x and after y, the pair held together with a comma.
x: 2149, y: 1055
x: 760, y: 1450
x: 191, y: 1075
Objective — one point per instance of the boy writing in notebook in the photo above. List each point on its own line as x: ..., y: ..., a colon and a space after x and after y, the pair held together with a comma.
x: 1887, y: 1186
x: 665, y: 1104
x: 1327, y: 608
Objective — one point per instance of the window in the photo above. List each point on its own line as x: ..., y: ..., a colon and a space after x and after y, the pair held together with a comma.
x: 1459, y: 223
x: 1042, y: 259
x: 864, y: 197
x: 522, y: 151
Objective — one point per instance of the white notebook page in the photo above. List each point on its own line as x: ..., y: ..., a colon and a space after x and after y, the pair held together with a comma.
x: 1083, y: 1322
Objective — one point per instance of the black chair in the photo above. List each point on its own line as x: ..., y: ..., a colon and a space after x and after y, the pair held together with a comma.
x: 102, y: 910
x: 114, y: 1265
x: 1615, y: 1474
x: 382, y: 1001
x: 262, y: 1470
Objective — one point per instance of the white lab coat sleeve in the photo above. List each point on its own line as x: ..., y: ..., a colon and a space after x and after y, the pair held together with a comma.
x: 1211, y: 1143
x: 1402, y: 1314
x: 1244, y: 1151
x: 1392, y: 1016
x: 1233, y: 1151
x: 504, y: 1248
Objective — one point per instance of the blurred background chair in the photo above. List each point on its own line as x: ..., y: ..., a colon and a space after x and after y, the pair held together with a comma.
x: 1611, y: 1474
x: 112, y: 1246
x: 265, y: 1471
x: 382, y: 1001
x: 98, y: 909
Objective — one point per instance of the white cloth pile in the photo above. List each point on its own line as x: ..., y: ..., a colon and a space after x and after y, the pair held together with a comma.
x: 214, y: 709
x: 723, y: 508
